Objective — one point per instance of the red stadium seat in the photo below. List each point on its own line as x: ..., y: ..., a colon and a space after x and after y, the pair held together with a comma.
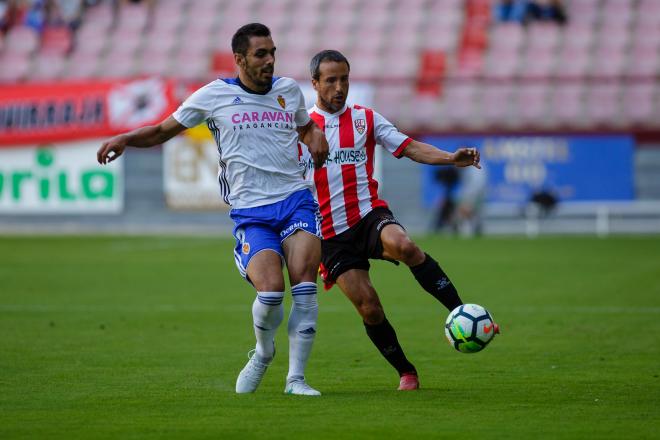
x: 14, y: 66
x: 56, y: 40
x: 502, y: 64
x: 567, y: 104
x: 643, y: 62
x: 21, y: 40
x: 431, y: 70
x: 573, y: 63
x: 544, y: 37
x: 458, y: 103
x: 495, y: 104
x: 603, y: 104
x: 82, y: 65
x: 155, y: 64
x: 531, y: 104
x: 638, y: 103
x: 538, y: 64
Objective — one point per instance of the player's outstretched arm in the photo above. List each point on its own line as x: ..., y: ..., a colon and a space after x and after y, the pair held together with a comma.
x: 312, y: 136
x: 428, y: 154
x: 142, y: 138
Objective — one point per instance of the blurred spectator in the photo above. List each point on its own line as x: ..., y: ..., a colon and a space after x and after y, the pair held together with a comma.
x: 448, y: 178
x: 526, y: 11
x: 511, y: 10
x: 5, y: 15
x: 65, y: 13
x: 470, y: 199
x: 461, y: 206
x: 547, y: 10
x: 543, y: 202
x: 35, y: 14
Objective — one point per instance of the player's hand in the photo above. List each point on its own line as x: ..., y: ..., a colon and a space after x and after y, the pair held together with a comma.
x: 465, y: 157
x: 111, y: 149
x: 319, y: 151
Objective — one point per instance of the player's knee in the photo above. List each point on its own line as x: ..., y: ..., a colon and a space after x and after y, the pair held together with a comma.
x: 303, y: 272
x: 266, y: 284
x: 371, y: 312
x: 407, y: 251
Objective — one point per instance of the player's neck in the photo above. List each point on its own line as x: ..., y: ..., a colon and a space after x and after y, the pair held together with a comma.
x: 252, y: 87
x: 321, y: 106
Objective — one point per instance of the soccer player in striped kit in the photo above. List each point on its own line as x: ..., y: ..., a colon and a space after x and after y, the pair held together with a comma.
x: 257, y: 120
x: 357, y: 225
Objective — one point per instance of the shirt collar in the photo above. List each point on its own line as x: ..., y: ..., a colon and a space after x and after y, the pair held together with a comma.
x: 329, y: 115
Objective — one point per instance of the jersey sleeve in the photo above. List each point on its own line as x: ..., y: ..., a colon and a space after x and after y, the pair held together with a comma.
x: 196, y: 108
x: 388, y: 136
x: 302, y: 116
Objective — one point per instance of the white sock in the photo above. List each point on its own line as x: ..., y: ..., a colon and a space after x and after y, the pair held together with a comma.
x: 302, y: 327
x: 267, y: 315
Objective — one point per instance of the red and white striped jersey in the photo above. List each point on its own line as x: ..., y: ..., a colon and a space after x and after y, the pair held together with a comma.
x: 345, y: 187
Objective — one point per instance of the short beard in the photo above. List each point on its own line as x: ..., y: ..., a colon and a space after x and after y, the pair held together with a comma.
x: 257, y: 81
x: 331, y: 106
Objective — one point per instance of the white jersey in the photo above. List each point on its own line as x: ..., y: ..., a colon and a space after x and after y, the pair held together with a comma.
x: 256, y: 137
x: 345, y: 187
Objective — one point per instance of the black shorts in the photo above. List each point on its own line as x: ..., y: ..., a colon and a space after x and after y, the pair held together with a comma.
x: 353, y: 248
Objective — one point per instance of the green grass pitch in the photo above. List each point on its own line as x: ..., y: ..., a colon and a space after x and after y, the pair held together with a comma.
x: 141, y: 338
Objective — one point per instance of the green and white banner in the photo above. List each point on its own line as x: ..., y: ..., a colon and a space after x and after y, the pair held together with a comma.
x: 59, y: 179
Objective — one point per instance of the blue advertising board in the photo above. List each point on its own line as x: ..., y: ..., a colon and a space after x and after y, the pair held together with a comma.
x: 574, y: 168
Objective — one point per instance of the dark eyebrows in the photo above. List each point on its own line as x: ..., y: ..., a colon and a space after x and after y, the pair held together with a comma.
x: 335, y: 78
x: 261, y: 52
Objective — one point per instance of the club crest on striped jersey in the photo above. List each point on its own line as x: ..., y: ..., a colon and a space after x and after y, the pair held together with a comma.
x: 281, y: 101
x: 360, y: 125
x: 246, y: 248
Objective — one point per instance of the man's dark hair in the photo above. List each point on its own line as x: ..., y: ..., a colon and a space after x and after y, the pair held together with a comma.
x: 241, y: 39
x: 326, y: 55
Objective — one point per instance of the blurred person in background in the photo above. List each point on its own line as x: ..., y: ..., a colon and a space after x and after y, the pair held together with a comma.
x: 448, y: 178
x: 357, y: 225
x: 547, y: 10
x: 528, y: 11
x: 510, y: 11
x: 34, y: 14
x: 65, y: 13
x: 257, y: 120
x: 470, y: 199
x: 5, y: 14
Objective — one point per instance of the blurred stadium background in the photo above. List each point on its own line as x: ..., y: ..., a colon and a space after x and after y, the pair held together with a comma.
x: 564, y: 110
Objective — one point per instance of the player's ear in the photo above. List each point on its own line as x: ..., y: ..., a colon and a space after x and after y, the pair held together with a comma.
x: 239, y: 59
x: 315, y: 84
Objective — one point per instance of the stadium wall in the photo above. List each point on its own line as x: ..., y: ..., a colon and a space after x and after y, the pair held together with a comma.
x: 50, y: 182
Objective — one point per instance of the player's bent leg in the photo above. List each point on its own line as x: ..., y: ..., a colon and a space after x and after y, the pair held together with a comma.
x: 435, y: 281
x: 357, y: 287
x: 428, y: 273
x: 302, y: 253
x: 265, y: 273
x: 397, y: 245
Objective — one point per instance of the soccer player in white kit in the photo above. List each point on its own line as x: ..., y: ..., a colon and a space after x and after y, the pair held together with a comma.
x: 257, y: 120
x: 357, y: 225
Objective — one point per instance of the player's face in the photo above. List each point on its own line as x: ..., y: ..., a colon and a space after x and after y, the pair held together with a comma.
x: 259, y: 63
x: 332, y: 85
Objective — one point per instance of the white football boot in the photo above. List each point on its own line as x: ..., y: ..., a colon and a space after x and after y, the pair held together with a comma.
x: 299, y: 387
x: 250, y: 376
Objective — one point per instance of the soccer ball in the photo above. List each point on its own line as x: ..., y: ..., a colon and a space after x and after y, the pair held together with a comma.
x: 469, y: 328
